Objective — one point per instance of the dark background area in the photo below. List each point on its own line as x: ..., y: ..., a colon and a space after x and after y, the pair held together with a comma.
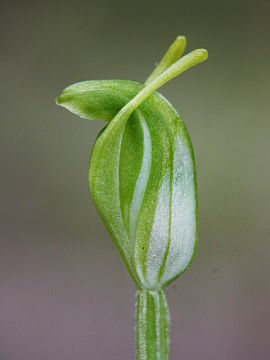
x: 64, y: 293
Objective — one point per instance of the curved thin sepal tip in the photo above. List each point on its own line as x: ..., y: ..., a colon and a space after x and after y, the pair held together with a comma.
x: 173, y: 54
x: 201, y: 54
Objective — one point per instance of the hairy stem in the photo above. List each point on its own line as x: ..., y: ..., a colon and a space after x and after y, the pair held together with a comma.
x: 152, y: 325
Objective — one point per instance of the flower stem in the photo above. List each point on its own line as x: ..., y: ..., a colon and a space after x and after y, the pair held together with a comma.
x: 152, y: 325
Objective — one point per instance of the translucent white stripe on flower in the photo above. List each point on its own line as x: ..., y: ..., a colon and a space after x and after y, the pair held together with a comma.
x: 160, y: 233
x: 183, y: 220
x: 142, y: 178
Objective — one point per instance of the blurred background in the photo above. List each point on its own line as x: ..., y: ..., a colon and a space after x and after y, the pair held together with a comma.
x: 64, y: 293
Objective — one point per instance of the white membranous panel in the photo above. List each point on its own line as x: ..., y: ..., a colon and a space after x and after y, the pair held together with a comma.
x: 183, y: 213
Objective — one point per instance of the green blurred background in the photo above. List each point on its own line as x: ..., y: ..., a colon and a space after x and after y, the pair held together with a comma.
x: 64, y: 293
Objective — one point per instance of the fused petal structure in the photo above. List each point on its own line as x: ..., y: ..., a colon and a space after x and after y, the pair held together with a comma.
x: 143, y: 183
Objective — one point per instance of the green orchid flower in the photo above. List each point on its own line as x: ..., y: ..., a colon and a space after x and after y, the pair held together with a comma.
x: 143, y: 182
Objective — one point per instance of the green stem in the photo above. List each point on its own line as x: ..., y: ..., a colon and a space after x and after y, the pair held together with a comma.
x: 152, y: 325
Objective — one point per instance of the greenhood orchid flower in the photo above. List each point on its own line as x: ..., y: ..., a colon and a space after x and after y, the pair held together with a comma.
x: 143, y: 183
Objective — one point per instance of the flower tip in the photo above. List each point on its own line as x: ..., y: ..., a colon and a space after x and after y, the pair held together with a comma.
x: 204, y: 54
x: 181, y: 38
